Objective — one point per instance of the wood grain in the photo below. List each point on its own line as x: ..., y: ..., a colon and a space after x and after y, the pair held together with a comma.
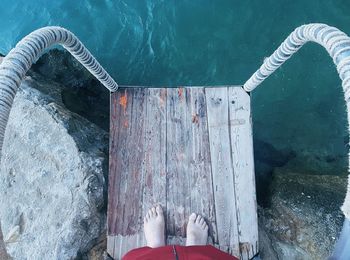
x: 154, y: 152
x: 243, y: 167
x: 126, y: 183
x: 188, y: 149
x: 178, y: 199
x: 223, y: 175
x: 201, y: 189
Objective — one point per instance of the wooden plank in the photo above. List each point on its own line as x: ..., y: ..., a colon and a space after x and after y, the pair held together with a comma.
x: 188, y: 162
x: 178, y: 199
x: 154, y: 163
x: 154, y: 152
x: 126, y: 154
x: 145, y: 118
x: 243, y: 165
x: 125, y: 243
x: 201, y: 191
x: 110, y: 244
x: 222, y: 171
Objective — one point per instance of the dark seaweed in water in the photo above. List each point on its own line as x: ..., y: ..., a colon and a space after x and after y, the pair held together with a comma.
x: 266, y: 158
x: 268, y: 154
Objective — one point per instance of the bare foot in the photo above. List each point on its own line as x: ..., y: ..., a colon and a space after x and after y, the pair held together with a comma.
x: 197, y: 231
x: 154, y: 227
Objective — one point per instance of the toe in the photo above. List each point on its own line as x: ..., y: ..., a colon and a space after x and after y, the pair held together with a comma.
x: 198, y: 219
x: 192, y: 217
x: 148, y: 215
x: 159, y: 210
x: 154, y: 213
x: 201, y: 221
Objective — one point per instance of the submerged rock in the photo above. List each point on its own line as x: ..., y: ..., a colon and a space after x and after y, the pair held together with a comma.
x: 304, y: 218
x: 53, y: 169
x: 266, y: 158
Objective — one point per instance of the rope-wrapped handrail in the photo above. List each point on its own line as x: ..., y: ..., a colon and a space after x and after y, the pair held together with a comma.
x: 337, y: 44
x: 18, y: 61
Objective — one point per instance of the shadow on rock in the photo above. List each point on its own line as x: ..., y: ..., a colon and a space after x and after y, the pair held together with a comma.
x: 82, y: 93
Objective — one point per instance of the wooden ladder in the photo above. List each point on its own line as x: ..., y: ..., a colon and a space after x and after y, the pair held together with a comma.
x: 190, y: 149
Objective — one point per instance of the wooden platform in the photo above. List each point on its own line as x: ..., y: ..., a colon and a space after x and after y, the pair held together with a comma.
x: 189, y: 149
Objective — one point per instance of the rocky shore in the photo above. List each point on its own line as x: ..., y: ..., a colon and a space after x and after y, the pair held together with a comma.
x: 54, y: 173
x: 53, y: 170
x: 304, y: 218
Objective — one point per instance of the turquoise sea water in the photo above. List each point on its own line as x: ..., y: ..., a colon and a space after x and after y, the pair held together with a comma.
x: 300, y: 108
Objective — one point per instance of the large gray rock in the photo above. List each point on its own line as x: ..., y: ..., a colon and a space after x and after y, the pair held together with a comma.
x: 82, y: 93
x: 304, y: 218
x: 52, y: 182
x: 3, y: 253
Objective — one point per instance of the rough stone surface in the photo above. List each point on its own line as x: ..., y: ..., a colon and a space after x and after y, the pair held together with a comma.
x: 304, y: 218
x: 52, y: 178
x: 82, y: 93
x: 3, y: 253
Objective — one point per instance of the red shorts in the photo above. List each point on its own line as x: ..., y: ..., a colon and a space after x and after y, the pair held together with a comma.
x: 207, y: 252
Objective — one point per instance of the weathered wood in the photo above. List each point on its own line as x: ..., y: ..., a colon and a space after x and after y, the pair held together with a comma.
x: 154, y: 151
x: 200, y: 174
x: 110, y: 244
x: 126, y: 182
x: 189, y: 186
x: 243, y: 167
x: 182, y: 148
x: 221, y: 161
x: 178, y: 199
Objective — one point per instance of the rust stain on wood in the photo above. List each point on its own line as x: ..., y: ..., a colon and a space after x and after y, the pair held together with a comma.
x: 123, y: 100
x: 162, y: 97
x: 195, y: 118
x: 180, y: 93
x: 126, y: 123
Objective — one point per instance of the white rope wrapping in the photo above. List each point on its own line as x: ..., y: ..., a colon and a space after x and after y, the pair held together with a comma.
x: 333, y: 40
x: 18, y: 61
x: 337, y: 45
